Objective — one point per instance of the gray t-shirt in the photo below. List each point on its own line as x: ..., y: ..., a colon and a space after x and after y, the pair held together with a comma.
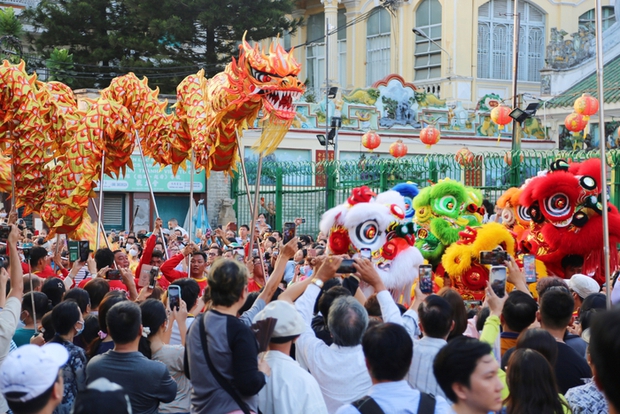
x: 172, y: 356
x: 146, y: 382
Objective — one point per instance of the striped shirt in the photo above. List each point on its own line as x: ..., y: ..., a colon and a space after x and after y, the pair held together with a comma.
x: 421, y: 376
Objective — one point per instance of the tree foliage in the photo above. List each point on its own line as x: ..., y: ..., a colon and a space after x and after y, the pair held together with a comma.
x: 164, y: 39
x: 10, y: 24
x: 60, y: 65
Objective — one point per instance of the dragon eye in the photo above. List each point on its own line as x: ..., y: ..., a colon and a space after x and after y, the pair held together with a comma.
x: 367, y: 232
x: 587, y: 182
x: 523, y: 213
x: 448, y: 203
x: 557, y: 205
x: 263, y: 77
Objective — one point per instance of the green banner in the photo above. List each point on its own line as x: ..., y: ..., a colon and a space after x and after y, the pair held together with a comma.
x: 162, y: 180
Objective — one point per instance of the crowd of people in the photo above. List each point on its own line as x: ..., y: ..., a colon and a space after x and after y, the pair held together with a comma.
x: 158, y: 322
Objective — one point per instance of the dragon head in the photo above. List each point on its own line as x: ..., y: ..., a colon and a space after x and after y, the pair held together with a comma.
x: 272, y: 76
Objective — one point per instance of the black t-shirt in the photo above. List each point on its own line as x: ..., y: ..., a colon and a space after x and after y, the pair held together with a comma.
x: 570, y: 367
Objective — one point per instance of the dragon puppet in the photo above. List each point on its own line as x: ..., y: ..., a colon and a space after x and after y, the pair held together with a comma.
x: 375, y: 222
x: 515, y: 217
x: 409, y: 191
x: 255, y: 81
x: 41, y: 123
x: 438, y: 216
x: 566, y: 217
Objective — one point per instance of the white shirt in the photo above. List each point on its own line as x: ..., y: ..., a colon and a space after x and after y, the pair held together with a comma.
x: 398, y: 398
x: 340, y: 371
x: 289, y: 388
x: 421, y: 376
x: 175, y: 336
x: 9, y: 317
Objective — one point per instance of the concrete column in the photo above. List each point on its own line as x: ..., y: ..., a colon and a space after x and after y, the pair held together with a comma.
x: 331, y: 23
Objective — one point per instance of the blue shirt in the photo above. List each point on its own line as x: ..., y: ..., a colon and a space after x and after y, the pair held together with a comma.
x: 397, y: 398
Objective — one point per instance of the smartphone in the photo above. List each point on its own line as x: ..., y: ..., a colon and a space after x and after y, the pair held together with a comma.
x: 288, y: 232
x: 346, y: 266
x: 26, y: 249
x: 311, y: 252
x: 426, y: 279
x: 366, y: 253
x: 498, y: 280
x: 113, y: 274
x: 275, y: 252
x: 153, y: 276
x: 254, y: 252
x: 174, y: 296
x: 84, y: 248
x: 529, y: 268
x: 180, y: 239
x: 493, y: 257
x: 4, y: 233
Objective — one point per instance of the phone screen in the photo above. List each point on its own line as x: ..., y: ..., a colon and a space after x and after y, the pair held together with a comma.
x: 153, y: 276
x: 529, y: 268
x: 288, y: 232
x: 366, y: 253
x: 498, y: 280
x: 426, y: 279
x: 174, y: 296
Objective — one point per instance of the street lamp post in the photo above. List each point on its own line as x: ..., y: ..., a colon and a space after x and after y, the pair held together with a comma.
x: 420, y: 33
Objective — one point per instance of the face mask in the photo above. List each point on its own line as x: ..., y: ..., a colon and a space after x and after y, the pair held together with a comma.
x: 128, y: 246
x: 2, y: 215
x: 133, y: 252
x: 80, y: 330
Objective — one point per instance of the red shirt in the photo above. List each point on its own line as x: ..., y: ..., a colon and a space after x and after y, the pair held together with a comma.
x: 146, y: 258
x: 170, y: 274
x: 114, y: 284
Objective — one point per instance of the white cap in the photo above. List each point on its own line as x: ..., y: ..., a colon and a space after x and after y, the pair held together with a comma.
x: 289, y: 321
x: 31, y: 370
x: 583, y: 285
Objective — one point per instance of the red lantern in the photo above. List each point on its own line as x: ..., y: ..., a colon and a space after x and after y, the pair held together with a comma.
x: 586, y: 105
x: 371, y: 140
x: 575, y: 122
x: 464, y: 156
x: 429, y: 136
x: 508, y: 158
x: 501, y: 115
x: 398, y: 149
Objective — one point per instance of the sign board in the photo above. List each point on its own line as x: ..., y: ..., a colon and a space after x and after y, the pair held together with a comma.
x: 162, y: 180
x: 319, y: 156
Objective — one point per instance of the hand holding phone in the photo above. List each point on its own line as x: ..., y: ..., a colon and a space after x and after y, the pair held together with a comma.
x: 346, y: 266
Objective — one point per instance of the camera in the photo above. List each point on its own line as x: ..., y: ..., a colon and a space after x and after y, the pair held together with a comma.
x: 4, y: 233
x: 4, y: 262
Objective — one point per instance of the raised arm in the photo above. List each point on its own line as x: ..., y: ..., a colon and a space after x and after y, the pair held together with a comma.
x: 15, y: 268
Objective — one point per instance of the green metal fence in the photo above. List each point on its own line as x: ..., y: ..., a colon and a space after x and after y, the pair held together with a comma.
x: 299, y: 190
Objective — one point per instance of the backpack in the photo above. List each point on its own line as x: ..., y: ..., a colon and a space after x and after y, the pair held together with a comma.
x: 366, y: 405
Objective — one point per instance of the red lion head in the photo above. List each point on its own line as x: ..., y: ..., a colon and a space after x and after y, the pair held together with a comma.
x: 565, y: 210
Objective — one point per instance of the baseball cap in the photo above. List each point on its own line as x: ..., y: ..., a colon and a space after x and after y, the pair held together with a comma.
x: 289, y: 321
x: 102, y: 397
x: 583, y: 285
x: 29, y: 371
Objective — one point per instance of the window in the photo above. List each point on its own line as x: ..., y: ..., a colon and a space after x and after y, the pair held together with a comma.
x: 427, y: 54
x: 315, y: 53
x: 113, y: 211
x: 495, y: 27
x: 378, y: 46
x: 588, y: 19
x: 342, y: 48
